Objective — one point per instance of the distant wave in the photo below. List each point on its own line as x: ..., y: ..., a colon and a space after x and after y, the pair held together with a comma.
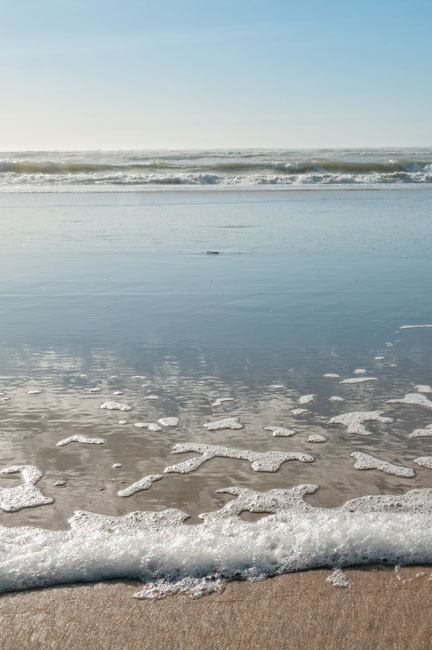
x: 301, y: 167
x: 231, y: 168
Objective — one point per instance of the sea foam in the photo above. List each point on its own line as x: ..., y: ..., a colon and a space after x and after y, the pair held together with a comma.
x: 169, y: 556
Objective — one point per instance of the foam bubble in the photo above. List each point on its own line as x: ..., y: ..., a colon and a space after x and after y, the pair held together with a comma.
x: 82, y: 439
x: 365, y: 461
x: 151, y: 426
x: 144, y: 483
x: 115, y: 406
x: 316, y: 437
x: 306, y: 399
x: 152, y: 397
x: 379, y: 358
x: 34, y: 392
x: 26, y: 495
x: 336, y: 398
x: 280, y: 432
x: 225, y: 423
x: 60, y: 483
x: 95, y: 390
x: 123, y: 421
x: 298, y: 411
x: 358, y: 380
x: 219, y: 401
x: 331, y: 375
x: 413, y: 399
x: 169, y: 421
x: 354, y: 421
x: 338, y: 579
x: 138, y: 377
x: 117, y: 465
x: 359, y: 371
x: 269, y: 461
x: 118, y: 392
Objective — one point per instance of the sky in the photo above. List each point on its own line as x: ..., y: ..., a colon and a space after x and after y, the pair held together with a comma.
x: 140, y: 74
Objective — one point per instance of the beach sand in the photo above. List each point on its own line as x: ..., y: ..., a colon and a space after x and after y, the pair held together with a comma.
x: 295, y: 611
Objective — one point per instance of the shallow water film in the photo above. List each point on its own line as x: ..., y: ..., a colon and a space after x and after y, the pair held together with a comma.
x: 188, y: 418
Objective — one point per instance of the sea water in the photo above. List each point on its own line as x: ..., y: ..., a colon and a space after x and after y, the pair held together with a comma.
x: 160, y: 408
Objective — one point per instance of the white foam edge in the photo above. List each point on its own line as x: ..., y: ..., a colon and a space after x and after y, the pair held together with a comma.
x: 170, y: 556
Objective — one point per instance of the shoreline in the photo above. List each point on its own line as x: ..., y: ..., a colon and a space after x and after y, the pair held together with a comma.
x: 295, y: 611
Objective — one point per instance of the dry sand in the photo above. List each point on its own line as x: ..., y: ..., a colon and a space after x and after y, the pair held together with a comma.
x: 296, y: 611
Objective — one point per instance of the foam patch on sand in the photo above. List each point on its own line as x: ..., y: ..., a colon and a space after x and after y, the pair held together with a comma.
x: 365, y: 461
x: 413, y: 399
x: 306, y: 399
x: 423, y: 388
x: 422, y: 433
x: 354, y: 421
x: 81, y: 439
x: 169, y: 422
x: 144, y: 483
x: 280, y: 432
x: 269, y: 461
x: 316, y: 437
x: 299, y: 411
x: 359, y: 371
x: 115, y: 406
x: 151, y: 426
x: 151, y: 397
x: 169, y: 556
x: 424, y: 461
x: 358, y: 380
x: 225, y: 423
x: 336, y: 398
x: 26, y: 495
x: 220, y: 400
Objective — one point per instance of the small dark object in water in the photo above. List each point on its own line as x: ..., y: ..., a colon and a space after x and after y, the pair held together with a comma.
x: 212, y: 252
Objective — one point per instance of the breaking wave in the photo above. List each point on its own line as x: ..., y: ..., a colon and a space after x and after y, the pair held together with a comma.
x: 229, y: 168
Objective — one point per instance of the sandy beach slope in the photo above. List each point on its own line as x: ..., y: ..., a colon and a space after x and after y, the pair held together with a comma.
x: 296, y: 611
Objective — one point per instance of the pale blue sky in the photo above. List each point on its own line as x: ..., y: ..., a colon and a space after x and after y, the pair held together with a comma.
x: 195, y: 74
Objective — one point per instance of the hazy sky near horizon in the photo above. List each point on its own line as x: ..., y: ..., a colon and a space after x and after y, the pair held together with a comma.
x: 92, y: 74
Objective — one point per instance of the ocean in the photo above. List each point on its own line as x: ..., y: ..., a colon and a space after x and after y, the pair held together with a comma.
x: 214, y: 365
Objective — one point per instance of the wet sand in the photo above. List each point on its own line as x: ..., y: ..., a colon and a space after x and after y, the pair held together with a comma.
x: 295, y: 611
